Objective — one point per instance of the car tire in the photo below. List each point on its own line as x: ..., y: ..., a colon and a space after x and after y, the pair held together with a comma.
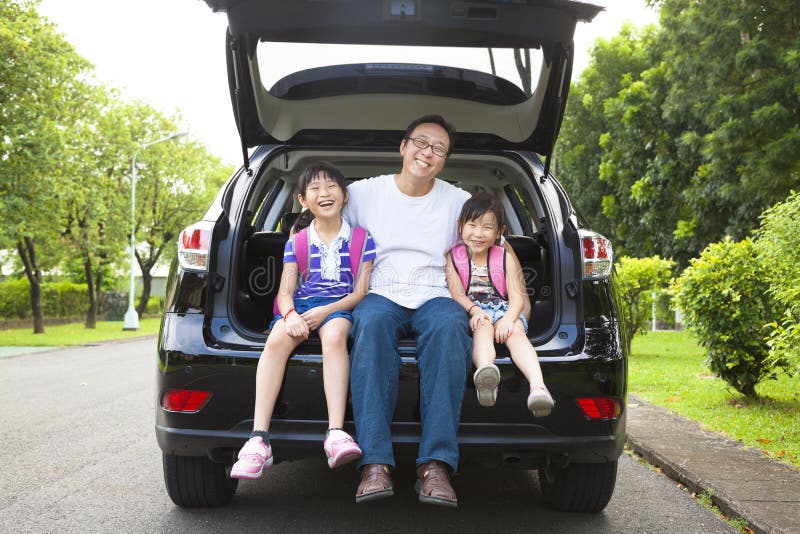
x: 197, y: 482
x: 578, y: 487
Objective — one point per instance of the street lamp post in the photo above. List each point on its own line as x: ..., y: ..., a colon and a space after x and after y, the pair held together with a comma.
x: 131, y: 321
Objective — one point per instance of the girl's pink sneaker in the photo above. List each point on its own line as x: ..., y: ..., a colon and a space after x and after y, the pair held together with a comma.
x: 254, y: 457
x: 340, y: 448
x: 540, y: 402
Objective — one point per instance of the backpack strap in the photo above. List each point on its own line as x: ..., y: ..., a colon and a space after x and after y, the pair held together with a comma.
x: 357, y: 245
x: 302, y: 251
x: 461, y: 263
x: 497, y: 270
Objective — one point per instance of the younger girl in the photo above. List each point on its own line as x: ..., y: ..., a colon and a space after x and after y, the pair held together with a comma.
x: 495, y: 314
x: 320, y: 302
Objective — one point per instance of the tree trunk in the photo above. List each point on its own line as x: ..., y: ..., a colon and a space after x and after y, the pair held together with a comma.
x: 748, y: 390
x: 103, y: 260
x: 91, y: 315
x: 147, y: 280
x: 27, y: 253
x: 98, y: 291
x: 146, y: 265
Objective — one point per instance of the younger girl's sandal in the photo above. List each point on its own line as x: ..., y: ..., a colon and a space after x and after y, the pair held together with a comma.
x: 540, y: 402
x: 486, y: 379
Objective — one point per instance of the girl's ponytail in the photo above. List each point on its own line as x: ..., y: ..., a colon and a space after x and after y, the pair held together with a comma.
x: 303, y: 220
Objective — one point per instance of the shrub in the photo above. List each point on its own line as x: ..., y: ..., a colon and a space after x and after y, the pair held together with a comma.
x: 154, y: 306
x: 59, y: 299
x: 15, y: 299
x: 637, y: 278
x: 725, y: 297
x: 778, y: 246
x: 64, y: 299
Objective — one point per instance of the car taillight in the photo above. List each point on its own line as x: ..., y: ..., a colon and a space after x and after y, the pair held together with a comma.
x: 598, y: 255
x: 600, y: 408
x: 184, y: 400
x: 193, y: 246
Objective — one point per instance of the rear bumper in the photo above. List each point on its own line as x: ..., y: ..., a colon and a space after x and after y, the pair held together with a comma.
x: 527, y: 447
x: 506, y: 434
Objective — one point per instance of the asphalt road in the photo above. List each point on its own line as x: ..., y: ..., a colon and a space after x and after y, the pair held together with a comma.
x: 79, y: 455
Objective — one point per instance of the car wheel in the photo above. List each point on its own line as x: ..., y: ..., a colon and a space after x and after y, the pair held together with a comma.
x: 197, y: 482
x: 578, y: 487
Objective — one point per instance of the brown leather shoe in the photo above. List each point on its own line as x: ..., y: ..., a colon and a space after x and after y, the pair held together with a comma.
x: 376, y: 483
x: 433, y: 484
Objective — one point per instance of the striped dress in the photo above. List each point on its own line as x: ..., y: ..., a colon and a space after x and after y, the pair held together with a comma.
x: 329, y: 267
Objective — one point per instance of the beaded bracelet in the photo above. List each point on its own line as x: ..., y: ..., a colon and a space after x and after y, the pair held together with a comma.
x: 288, y: 312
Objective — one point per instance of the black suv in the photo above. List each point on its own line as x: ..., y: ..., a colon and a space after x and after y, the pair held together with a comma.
x: 221, y: 288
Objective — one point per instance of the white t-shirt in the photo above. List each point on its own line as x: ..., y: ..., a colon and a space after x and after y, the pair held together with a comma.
x: 411, y: 234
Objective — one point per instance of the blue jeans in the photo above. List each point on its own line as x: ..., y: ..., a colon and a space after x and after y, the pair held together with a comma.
x: 443, y: 354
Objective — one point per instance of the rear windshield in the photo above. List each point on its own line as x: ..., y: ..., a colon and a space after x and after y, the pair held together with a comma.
x: 520, y: 67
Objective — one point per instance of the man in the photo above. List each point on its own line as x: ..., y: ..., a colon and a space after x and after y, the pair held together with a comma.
x: 412, y: 218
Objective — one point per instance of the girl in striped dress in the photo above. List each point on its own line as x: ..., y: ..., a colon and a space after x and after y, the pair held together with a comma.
x: 319, y: 300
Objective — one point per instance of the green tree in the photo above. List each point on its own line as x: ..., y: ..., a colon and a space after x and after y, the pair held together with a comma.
x: 176, y: 182
x: 96, y: 175
x: 733, y: 80
x: 696, y: 139
x: 615, y: 63
x: 637, y: 279
x: 41, y: 92
x: 647, y: 163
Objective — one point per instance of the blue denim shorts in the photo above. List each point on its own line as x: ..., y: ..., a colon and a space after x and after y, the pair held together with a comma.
x: 499, y: 309
x: 303, y: 305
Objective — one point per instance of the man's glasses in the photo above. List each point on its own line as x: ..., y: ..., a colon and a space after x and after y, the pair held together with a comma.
x: 423, y: 144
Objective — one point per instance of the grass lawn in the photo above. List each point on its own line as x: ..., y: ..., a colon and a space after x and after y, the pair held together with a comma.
x: 668, y: 369
x: 75, y: 334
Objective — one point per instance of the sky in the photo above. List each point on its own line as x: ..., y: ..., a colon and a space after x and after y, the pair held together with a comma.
x: 171, y: 54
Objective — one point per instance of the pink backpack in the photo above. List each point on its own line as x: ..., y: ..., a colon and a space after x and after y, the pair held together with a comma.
x: 497, y: 267
x: 302, y: 250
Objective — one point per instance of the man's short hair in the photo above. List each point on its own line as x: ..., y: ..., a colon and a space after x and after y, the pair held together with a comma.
x: 433, y: 119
